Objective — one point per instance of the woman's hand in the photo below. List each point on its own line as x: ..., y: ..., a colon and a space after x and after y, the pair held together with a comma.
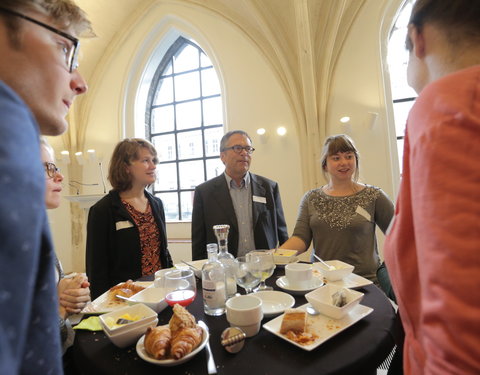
x: 294, y: 243
x: 73, y: 294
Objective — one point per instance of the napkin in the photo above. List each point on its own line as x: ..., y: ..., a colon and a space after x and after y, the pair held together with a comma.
x: 91, y: 324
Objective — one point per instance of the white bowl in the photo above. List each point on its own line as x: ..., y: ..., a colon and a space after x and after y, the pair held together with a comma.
x: 198, y: 264
x: 145, y: 313
x: 151, y: 297
x: 129, y: 337
x: 341, y: 270
x: 284, y: 256
x: 321, y: 300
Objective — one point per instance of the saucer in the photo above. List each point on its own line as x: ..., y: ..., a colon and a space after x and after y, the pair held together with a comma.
x: 274, y: 302
x: 282, y: 283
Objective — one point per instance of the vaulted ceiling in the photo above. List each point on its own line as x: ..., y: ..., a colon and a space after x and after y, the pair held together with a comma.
x: 301, y: 39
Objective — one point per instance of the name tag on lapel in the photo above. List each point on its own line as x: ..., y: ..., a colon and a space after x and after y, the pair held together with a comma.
x: 259, y: 199
x: 361, y: 211
x: 123, y: 225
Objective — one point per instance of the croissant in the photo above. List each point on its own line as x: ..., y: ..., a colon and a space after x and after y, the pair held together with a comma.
x: 126, y: 289
x: 157, y: 341
x: 181, y: 319
x: 185, y: 341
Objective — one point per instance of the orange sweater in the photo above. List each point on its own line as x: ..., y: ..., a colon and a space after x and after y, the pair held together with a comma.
x: 433, y: 249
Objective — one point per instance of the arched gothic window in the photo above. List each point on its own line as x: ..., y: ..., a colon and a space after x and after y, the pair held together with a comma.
x: 403, y: 95
x: 184, y: 121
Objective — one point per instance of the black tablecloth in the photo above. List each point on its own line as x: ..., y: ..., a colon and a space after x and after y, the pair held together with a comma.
x: 357, y: 350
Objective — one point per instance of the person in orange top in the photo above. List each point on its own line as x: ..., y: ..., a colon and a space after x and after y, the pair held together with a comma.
x: 432, y: 250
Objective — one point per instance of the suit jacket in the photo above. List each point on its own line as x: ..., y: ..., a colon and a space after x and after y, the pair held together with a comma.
x: 114, y: 255
x: 29, y: 330
x: 213, y: 205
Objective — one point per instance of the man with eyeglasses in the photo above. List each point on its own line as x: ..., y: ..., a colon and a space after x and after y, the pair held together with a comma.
x: 38, y: 84
x: 249, y: 203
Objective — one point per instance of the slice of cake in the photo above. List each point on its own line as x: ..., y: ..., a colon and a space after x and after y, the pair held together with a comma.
x: 294, y: 320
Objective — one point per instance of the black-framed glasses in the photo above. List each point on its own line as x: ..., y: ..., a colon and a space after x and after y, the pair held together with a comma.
x: 238, y: 149
x: 51, y: 169
x: 71, y: 52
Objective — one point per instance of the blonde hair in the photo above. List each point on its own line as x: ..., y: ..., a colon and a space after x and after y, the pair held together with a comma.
x: 62, y: 13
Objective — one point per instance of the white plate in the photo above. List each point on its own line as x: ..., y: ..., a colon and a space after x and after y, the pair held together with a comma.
x: 103, y: 304
x: 351, y: 281
x: 274, y: 302
x: 282, y: 282
x: 169, y: 362
x: 320, y: 325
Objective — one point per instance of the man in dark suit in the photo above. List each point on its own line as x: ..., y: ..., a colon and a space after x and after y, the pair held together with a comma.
x: 249, y: 203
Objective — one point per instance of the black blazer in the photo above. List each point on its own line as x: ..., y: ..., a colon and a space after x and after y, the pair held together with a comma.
x: 114, y: 256
x: 212, y: 205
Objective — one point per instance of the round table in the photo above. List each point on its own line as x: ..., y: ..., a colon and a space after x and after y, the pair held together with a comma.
x: 360, y: 349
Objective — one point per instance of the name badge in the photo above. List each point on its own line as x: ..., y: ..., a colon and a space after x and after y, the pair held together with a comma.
x: 123, y: 225
x: 260, y: 199
x: 363, y: 213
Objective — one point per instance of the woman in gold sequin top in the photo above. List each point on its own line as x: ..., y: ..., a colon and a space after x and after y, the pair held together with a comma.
x: 126, y: 234
x: 340, y: 217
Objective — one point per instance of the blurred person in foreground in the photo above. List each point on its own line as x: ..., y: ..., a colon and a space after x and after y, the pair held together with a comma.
x: 38, y: 83
x: 249, y: 203
x: 73, y: 292
x: 432, y: 250
x: 341, y: 216
x: 126, y: 232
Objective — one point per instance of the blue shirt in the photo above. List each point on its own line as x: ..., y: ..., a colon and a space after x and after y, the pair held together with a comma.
x: 29, y: 331
x: 242, y: 204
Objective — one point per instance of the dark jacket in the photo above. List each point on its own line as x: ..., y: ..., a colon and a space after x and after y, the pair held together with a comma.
x: 213, y: 205
x: 114, y: 255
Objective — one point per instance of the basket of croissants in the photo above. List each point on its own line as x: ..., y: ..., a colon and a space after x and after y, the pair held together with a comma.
x: 177, y: 339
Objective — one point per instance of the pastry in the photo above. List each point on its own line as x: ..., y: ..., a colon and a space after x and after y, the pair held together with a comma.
x: 157, y: 342
x: 126, y: 289
x: 181, y: 319
x: 294, y: 320
x: 185, y: 341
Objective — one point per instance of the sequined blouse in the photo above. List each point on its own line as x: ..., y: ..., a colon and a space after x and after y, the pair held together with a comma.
x: 149, y: 238
x: 343, y: 228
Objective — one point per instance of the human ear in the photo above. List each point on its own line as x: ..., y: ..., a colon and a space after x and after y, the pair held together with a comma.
x: 418, y: 41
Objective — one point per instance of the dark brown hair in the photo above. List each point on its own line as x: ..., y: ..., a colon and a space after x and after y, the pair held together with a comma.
x: 335, y: 144
x: 459, y: 19
x: 124, y: 153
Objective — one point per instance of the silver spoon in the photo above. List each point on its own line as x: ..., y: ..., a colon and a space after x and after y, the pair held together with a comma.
x: 190, y: 265
x: 331, y: 268
x: 312, y: 311
x: 125, y: 298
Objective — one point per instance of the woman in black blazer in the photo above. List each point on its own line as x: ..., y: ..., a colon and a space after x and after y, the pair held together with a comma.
x: 126, y: 234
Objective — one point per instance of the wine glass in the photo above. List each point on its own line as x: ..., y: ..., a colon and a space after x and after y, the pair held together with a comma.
x: 247, y: 272
x: 180, y: 287
x: 266, y: 267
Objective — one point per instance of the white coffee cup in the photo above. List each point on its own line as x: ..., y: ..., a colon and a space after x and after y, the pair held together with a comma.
x: 299, y: 275
x: 159, y: 281
x: 246, y: 313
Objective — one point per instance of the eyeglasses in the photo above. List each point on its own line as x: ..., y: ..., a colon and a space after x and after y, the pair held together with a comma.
x: 51, y: 169
x: 238, y: 149
x: 71, y: 52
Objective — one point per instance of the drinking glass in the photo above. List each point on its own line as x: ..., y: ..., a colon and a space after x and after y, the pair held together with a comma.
x: 180, y: 287
x: 247, y: 272
x: 266, y: 267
